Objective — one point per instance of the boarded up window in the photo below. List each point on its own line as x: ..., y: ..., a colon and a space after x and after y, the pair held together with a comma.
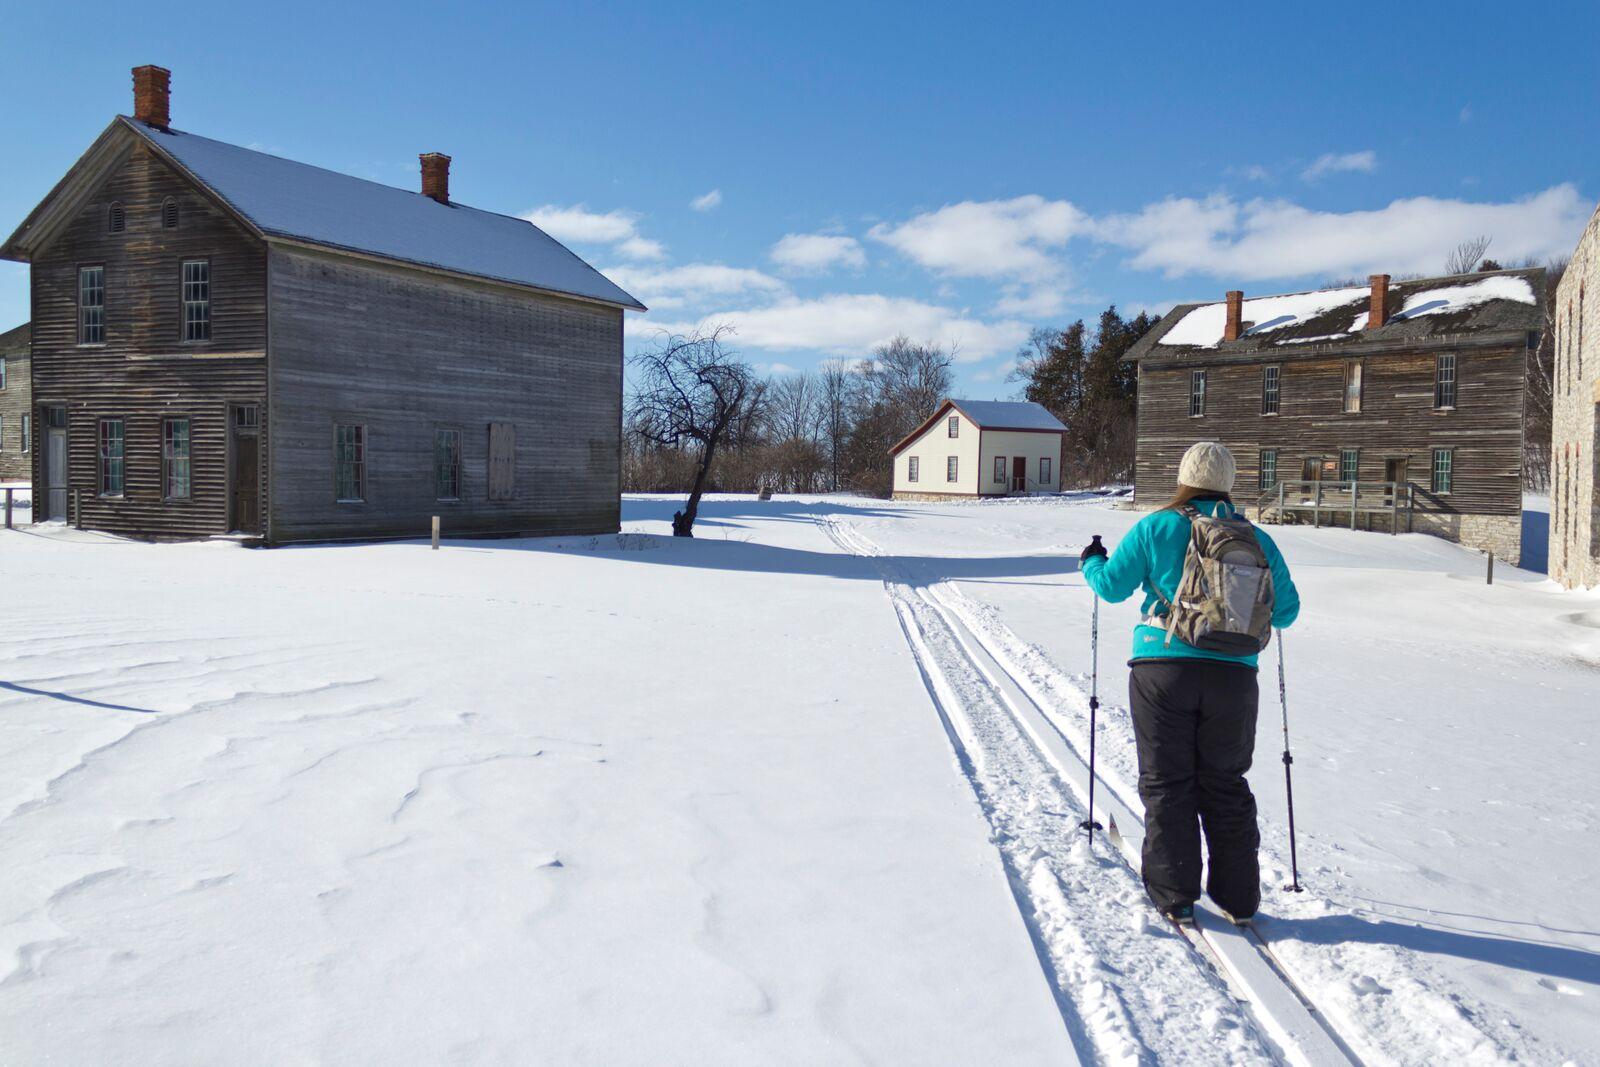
x: 502, y: 460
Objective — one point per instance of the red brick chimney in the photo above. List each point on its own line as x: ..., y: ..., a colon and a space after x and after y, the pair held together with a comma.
x: 1377, y: 307
x: 1230, y: 332
x: 436, y: 176
x: 152, y: 95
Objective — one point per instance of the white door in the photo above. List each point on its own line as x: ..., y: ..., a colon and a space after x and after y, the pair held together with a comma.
x: 55, y: 473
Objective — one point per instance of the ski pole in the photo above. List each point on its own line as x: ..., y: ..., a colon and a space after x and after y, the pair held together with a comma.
x: 1089, y: 825
x: 1288, y: 779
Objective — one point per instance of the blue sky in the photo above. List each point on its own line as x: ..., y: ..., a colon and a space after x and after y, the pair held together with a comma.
x: 823, y: 176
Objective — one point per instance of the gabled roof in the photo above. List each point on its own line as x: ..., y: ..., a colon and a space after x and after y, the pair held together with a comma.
x: 1423, y: 311
x: 16, y: 339
x: 1012, y: 415
x: 282, y: 199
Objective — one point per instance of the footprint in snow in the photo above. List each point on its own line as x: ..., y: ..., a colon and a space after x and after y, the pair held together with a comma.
x: 1560, y: 987
x: 1365, y: 985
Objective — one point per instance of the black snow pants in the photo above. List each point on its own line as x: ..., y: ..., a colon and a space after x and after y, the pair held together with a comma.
x: 1195, y: 722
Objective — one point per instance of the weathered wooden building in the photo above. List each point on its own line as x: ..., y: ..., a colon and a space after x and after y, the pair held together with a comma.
x: 16, y: 406
x: 1385, y: 405
x: 1575, y: 388
x: 975, y: 448
x: 228, y: 341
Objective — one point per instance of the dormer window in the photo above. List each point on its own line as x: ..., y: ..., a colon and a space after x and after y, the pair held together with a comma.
x: 117, y: 219
x: 169, y: 214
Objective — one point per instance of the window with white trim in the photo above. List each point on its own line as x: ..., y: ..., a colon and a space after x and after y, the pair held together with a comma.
x: 1044, y: 470
x: 954, y: 426
x: 999, y: 468
x: 951, y: 465
x: 913, y: 468
x: 196, y: 300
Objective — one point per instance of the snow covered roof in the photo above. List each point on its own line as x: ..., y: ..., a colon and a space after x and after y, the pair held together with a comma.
x: 1009, y: 415
x: 1022, y: 415
x: 1418, y: 310
x: 296, y: 201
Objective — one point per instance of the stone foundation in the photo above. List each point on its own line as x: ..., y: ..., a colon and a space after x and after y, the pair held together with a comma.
x: 1500, y: 534
x: 934, y: 498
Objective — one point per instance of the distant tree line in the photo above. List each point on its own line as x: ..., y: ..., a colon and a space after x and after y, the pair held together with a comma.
x: 819, y: 431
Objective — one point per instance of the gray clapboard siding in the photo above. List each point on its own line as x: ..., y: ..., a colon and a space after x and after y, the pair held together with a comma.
x: 15, y: 404
x: 144, y: 371
x: 1397, y: 419
x: 405, y: 353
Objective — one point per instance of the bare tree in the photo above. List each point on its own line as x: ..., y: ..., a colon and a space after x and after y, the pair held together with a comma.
x: 1466, y: 256
x: 693, y: 391
x: 833, y: 411
x: 1540, y: 398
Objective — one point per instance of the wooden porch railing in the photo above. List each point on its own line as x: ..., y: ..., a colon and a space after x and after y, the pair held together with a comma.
x: 1339, y: 499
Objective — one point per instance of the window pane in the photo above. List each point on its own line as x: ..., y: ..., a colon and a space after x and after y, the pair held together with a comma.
x: 196, y: 300
x: 349, y: 462
x: 912, y: 468
x: 111, y: 457
x: 176, y: 480
x: 950, y: 469
x: 955, y: 426
x: 1197, y: 392
x: 1269, y: 470
x: 1349, y: 464
x: 1444, y: 382
x: 1044, y: 471
x: 1352, y: 387
x: 999, y: 468
x: 1269, y: 391
x: 1443, y: 470
x: 91, y: 305
x: 447, y: 464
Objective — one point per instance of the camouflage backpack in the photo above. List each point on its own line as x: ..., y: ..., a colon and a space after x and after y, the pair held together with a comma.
x: 1225, y: 597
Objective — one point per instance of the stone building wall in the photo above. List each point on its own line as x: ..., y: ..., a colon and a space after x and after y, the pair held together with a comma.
x: 1575, y: 444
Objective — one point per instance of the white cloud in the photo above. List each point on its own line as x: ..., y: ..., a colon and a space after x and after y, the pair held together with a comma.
x: 809, y: 253
x: 1466, y: 114
x: 1036, y: 302
x: 988, y: 238
x: 1335, y: 162
x: 851, y: 324
x: 1220, y: 237
x: 578, y: 225
x: 692, y: 284
x: 708, y: 201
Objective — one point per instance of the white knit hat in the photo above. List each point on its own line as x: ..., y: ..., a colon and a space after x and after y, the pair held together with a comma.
x: 1207, y: 465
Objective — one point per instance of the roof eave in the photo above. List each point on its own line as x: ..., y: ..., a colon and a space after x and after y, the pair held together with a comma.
x: 80, y: 179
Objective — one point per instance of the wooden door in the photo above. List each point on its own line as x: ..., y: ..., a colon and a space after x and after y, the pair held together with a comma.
x: 1019, y: 474
x: 244, y: 483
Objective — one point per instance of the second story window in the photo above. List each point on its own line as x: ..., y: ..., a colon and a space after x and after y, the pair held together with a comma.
x: 1197, y: 393
x: 955, y: 426
x: 27, y: 433
x: 1352, y: 387
x: 1269, y: 390
x: 196, y: 300
x: 1444, y: 382
x: 2, y: 373
x: 91, y: 305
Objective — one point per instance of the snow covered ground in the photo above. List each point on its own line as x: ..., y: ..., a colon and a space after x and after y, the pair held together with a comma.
x: 631, y: 799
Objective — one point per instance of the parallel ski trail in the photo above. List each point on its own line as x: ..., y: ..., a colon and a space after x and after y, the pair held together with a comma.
x: 1129, y: 991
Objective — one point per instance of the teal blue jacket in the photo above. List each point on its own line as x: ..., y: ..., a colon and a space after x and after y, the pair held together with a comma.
x: 1151, y: 557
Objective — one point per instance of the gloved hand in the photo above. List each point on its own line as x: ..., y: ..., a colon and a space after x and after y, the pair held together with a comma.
x: 1093, y: 548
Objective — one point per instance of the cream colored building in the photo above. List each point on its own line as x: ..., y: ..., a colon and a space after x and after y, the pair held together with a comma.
x: 977, y: 448
x: 1575, y: 437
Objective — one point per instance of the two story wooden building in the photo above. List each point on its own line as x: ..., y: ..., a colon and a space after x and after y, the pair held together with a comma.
x: 1384, y: 404
x: 228, y: 341
x: 16, y: 406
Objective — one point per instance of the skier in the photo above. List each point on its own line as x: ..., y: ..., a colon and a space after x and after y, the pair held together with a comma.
x: 1194, y: 709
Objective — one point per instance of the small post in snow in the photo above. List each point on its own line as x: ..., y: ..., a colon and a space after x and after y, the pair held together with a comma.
x: 436, y: 533
x: 1490, y: 579
x: 8, y: 509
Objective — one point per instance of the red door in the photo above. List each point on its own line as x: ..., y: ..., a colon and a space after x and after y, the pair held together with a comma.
x: 1019, y: 474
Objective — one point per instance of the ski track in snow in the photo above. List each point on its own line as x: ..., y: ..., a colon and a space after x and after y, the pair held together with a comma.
x: 1130, y: 990
x: 1386, y: 1001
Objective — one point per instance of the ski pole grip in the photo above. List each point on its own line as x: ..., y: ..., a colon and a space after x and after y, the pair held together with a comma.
x: 1096, y: 539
